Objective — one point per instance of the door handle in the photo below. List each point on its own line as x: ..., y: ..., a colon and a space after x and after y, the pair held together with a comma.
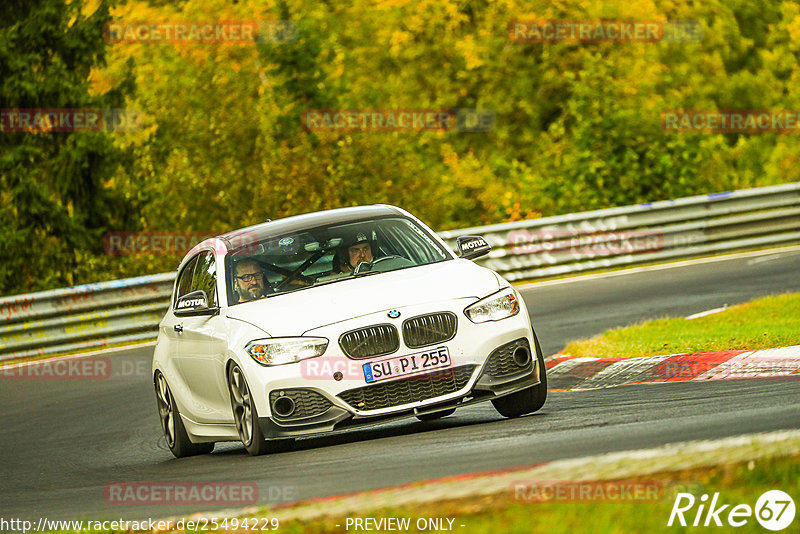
x: 178, y: 328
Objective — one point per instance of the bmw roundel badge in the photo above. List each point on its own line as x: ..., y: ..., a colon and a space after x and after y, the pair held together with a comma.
x: 394, y: 314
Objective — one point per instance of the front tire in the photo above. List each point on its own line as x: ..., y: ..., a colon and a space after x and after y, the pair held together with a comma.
x: 245, y: 415
x: 171, y: 423
x: 528, y: 400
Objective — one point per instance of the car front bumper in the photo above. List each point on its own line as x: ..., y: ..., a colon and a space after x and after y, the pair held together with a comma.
x: 504, y: 372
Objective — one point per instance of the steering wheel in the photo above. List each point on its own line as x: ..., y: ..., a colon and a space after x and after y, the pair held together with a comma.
x: 392, y: 261
x: 292, y: 277
x: 373, y: 263
x: 384, y: 258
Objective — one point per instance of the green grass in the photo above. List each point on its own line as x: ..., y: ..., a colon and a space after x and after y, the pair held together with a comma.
x: 760, y: 324
x: 737, y: 484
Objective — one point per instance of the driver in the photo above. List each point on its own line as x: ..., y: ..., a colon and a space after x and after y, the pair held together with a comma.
x: 249, y: 280
x: 358, y: 248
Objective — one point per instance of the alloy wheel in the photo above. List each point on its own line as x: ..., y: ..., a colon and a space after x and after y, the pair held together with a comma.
x: 165, y: 410
x: 242, y: 405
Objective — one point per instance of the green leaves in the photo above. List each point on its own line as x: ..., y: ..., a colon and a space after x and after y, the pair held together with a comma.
x: 54, y: 204
x: 222, y: 144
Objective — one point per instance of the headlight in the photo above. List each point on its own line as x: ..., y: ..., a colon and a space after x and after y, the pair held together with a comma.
x: 494, y: 307
x: 282, y: 350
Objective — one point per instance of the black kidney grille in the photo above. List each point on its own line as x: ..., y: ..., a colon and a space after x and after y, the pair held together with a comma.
x: 376, y: 340
x: 429, y: 329
x: 408, y: 390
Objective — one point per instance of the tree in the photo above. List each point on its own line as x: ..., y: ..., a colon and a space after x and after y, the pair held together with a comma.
x: 55, y: 202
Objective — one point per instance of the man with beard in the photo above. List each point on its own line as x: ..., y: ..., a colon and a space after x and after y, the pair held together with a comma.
x: 249, y: 281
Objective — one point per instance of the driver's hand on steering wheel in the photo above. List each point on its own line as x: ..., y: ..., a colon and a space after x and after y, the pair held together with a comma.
x: 295, y: 282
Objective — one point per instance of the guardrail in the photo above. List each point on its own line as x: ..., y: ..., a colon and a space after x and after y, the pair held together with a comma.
x: 91, y: 315
x: 644, y: 233
x: 95, y: 315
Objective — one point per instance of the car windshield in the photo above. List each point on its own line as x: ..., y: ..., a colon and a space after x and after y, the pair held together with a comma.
x: 323, y: 255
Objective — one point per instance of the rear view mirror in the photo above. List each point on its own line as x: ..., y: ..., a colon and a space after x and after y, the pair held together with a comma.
x: 317, y: 246
x: 472, y: 246
x: 194, y: 303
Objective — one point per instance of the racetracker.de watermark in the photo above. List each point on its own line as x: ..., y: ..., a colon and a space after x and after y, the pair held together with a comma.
x: 119, y: 243
x: 200, y: 32
x: 82, y: 368
x: 89, y: 368
x: 731, y: 121
x: 588, y: 491
x: 200, y: 524
x: 171, y: 493
x: 585, y: 245
x: 398, y: 120
x: 604, y: 30
x: 777, y: 368
x: 55, y: 120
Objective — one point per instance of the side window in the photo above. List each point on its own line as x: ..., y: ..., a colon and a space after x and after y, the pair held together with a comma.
x: 205, y: 277
x: 184, y: 285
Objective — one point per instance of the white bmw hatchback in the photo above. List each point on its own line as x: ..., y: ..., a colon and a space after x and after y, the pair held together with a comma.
x: 335, y: 320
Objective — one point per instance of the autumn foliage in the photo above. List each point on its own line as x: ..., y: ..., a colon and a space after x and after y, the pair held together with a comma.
x: 219, y: 140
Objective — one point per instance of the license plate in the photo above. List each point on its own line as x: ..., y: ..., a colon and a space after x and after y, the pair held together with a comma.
x: 406, y: 365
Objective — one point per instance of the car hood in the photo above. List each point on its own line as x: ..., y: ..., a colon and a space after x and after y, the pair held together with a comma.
x: 292, y: 314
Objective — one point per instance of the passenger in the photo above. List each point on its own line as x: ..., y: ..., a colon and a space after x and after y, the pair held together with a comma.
x: 358, y: 248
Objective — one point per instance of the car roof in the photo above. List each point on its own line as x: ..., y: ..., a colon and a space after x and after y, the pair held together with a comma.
x: 295, y: 223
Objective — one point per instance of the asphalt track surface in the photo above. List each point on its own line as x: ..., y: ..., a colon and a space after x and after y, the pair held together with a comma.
x: 63, y: 442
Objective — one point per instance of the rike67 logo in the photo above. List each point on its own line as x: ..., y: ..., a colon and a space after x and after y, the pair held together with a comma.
x: 774, y: 510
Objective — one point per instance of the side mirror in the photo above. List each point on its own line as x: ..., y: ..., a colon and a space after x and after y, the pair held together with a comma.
x: 194, y: 303
x: 472, y: 246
